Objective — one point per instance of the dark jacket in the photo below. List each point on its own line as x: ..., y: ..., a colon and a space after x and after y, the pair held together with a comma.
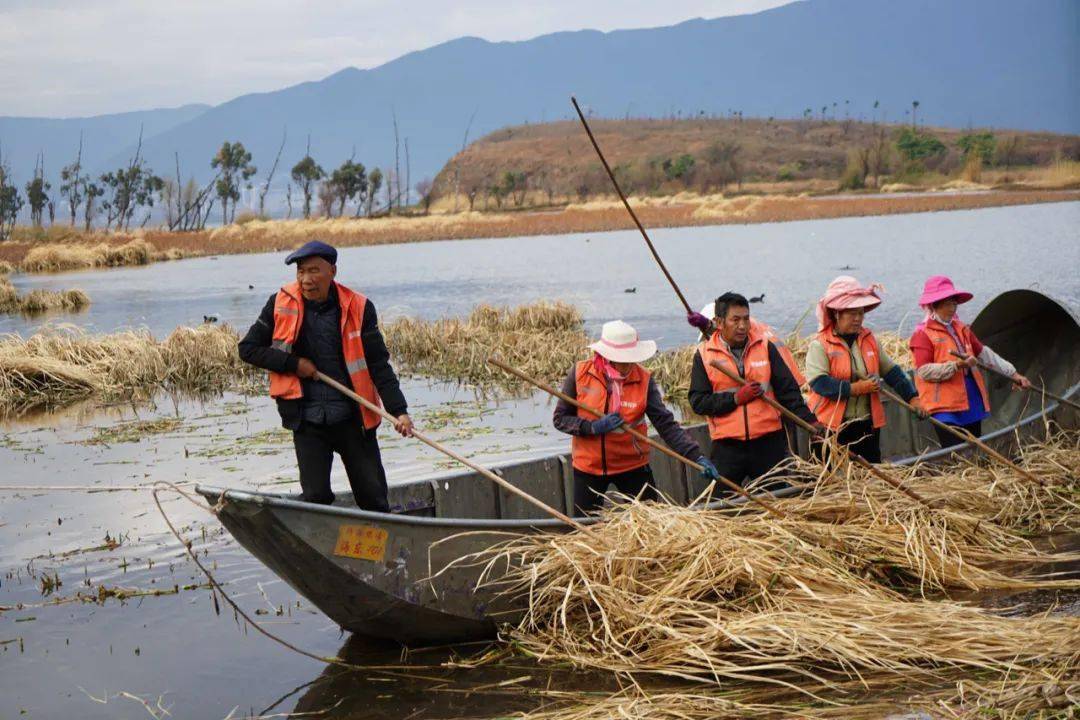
x: 566, y: 419
x: 323, y: 403
x: 706, y: 402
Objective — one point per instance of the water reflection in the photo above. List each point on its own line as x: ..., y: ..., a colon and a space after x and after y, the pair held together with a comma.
x: 432, y: 683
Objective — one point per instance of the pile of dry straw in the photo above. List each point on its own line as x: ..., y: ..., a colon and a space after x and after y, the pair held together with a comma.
x: 39, y: 300
x: 840, y: 610
x: 62, y: 364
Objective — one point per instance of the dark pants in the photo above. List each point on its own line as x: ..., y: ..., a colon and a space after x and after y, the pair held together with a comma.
x: 742, y: 460
x: 947, y: 439
x: 860, y: 437
x: 359, y: 451
x: 588, y: 488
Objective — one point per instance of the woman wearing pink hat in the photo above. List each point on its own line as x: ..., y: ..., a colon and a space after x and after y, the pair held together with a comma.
x: 845, y: 365
x: 603, y: 454
x: 953, y: 390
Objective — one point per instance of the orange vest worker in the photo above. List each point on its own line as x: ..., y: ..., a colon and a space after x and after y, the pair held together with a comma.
x: 752, y: 420
x: 949, y: 395
x: 289, y: 317
x: 830, y: 411
x: 614, y: 452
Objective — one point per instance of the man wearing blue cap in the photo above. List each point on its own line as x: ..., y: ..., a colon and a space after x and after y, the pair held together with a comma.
x: 317, y: 325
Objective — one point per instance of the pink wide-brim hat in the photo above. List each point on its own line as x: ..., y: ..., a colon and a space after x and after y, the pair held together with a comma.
x: 845, y: 293
x: 939, y: 288
x: 619, y: 343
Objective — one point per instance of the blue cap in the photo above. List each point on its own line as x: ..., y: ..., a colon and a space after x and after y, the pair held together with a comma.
x: 313, y: 249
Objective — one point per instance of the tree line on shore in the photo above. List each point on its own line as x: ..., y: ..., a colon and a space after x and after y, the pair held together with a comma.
x: 117, y: 199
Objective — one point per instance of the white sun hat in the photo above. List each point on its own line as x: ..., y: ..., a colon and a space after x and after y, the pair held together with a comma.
x: 619, y: 343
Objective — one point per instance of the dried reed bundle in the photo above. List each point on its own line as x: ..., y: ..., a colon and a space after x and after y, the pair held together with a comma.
x: 829, y: 595
x: 58, y: 257
x: 542, y: 339
x: 63, y: 363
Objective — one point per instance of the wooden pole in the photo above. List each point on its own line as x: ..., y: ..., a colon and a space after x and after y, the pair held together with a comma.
x: 464, y: 461
x: 960, y: 433
x: 626, y: 203
x: 633, y: 433
x: 859, y: 459
x: 1040, y: 389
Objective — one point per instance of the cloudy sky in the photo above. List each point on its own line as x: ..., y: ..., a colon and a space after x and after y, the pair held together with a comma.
x: 65, y: 58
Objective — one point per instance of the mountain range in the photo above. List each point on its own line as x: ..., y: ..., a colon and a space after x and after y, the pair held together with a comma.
x: 986, y: 63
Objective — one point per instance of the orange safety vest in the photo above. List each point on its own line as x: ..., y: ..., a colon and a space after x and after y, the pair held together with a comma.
x: 289, y: 318
x: 615, y: 452
x: 830, y: 411
x: 949, y: 395
x: 785, y: 351
x: 755, y: 418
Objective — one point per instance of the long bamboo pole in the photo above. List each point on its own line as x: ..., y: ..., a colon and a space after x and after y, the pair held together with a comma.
x: 858, y: 459
x: 1040, y: 389
x: 626, y: 203
x: 447, y: 451
x: 960, y: 433
x: 633, y: 433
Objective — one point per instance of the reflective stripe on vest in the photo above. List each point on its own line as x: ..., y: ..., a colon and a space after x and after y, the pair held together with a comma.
x: 830, y: 411
x: 949, y: 395
x: 615, y: 452
x: 289, y: 318
x: 756, y: 418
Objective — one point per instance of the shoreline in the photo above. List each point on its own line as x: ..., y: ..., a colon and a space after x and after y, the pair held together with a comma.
x: 606, y: 215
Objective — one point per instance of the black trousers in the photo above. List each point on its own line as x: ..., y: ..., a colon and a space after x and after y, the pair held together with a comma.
x: 947, y: 439
x: 359, y: 450
x: 588, y: 488
x: 860, y: 437
x: 743, y: 460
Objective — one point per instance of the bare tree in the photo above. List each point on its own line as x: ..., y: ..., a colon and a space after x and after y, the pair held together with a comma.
x: 72, y: 182
x: 273, y: 168
x: 408, y: 172
x: 457, y: 165
x: 394, y: 181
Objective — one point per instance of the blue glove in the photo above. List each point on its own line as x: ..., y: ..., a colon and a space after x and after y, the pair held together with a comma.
x: 606, y: 424
x: 708, y: 469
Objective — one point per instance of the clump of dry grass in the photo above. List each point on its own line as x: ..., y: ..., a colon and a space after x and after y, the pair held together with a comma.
x: 542, y: 339
x: 63, y: 364
x: 6, y: 268
x: 834, y: 594
x: 40, y: 300
x: 58, y: 257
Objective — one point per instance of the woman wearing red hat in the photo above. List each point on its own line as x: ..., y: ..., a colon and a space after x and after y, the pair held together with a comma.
x: 953, y: 390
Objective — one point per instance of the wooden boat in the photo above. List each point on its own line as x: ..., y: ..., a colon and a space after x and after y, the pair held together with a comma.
x: 372, y: 572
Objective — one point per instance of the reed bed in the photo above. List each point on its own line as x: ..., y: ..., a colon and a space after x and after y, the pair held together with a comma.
x: 542, y: 339
x: 37, y: 301
x: 850, y: 588
x: 63, y: 364
x: 59, y: 257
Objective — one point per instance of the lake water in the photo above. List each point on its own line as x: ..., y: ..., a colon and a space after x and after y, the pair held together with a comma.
x: 75, y: 659
x: 986, y: 251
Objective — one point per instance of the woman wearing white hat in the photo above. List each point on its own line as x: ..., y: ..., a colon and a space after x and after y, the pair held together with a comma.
x: 603, y: 454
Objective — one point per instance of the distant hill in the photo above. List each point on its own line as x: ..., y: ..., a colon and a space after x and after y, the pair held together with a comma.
x: 968, y: 62
x: 650, y: 156
x: 104, y: 137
